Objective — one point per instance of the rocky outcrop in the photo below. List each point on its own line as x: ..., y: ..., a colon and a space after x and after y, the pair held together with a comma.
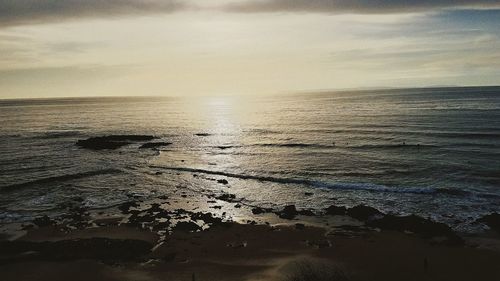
x: 112, y: 141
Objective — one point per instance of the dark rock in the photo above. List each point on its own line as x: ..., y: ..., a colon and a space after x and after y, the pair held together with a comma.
x: 336, y: 210
x: 187, y: 226
x: 423, y: 227
x: 258, y: 211
x: 125, y: 207
x: 111, y: 142
x: 289, y: 212
x: 362, y: 212
x: 202, y: 134
x: 492, y: 220
x: 300, y: 226
x: 227, y: 197
x: 308, y: 193
x: 154, y: 144
x: 43, y: 221
x: 223, y: 181
x: 206, y: 217
x: 224, y: 147
x: 308, y: 213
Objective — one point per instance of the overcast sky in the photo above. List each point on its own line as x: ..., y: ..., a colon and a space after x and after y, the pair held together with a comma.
x: 54, y: 48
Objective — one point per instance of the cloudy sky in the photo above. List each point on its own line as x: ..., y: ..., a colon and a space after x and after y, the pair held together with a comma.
x: 54, y: 48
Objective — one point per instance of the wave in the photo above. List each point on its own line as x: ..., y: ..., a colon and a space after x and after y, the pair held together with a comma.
x: 389, y: 146
x: 60, y: 178
x: 332, y: 146
x: 320, y: 184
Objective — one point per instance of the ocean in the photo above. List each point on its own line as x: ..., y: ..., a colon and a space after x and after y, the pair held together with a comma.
x: 433, y: 152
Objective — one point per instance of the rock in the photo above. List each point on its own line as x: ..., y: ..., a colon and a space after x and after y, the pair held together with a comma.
x: 308, y: 213
x: 362, y: 212
x: 187, y: 226
x: 154, y: 144
x: 289, y: 212
x: 336, y: 210
x: 202, y: 134
x: 308, y: 193
x: 227, y: 197
x: 300, y: 226
x: 111, y: 142
x: 492, y: 220
x: 223, y: 181
x: 43, y: 221
x: 125, y: 207
x: 206, y: 217
x: 423, y: 227
x: 258, y: 211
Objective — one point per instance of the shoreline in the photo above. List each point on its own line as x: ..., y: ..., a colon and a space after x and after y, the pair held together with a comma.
x: 155, y: 239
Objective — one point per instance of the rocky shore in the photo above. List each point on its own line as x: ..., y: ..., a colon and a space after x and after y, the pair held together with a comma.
x: 153, y: 240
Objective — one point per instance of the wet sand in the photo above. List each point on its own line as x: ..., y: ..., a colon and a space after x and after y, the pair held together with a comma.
x: 155, y: 241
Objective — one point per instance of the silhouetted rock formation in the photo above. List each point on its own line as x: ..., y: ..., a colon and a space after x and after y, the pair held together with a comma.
x: 362, y: 212
x: 423, y: 227
x: 289, y: 212
x: 112, y: 142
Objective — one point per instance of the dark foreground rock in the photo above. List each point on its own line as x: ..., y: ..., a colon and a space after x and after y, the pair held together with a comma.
x: 359, y: 212
x: 336, y: 210
x: 492, y: 220
x: 112, y: 142
x: 362, y: 212
x: 107, y: 250
x: 154, y: 145
x: 418, y: 225
x: 289, y: 212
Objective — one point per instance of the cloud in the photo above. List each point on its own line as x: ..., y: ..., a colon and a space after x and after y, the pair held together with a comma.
x: 16, y: 12
x: 356, y: 6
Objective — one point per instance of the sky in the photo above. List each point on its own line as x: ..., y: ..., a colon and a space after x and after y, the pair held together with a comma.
x: 66, y: 48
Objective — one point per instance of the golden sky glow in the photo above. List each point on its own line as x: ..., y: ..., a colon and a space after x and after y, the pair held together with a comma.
x: 213, y: 51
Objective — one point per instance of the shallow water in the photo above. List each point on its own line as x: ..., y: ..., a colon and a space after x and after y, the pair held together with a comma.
x: 432, y: 152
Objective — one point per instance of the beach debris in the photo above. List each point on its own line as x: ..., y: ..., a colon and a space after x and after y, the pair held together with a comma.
x: 112, y: 141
